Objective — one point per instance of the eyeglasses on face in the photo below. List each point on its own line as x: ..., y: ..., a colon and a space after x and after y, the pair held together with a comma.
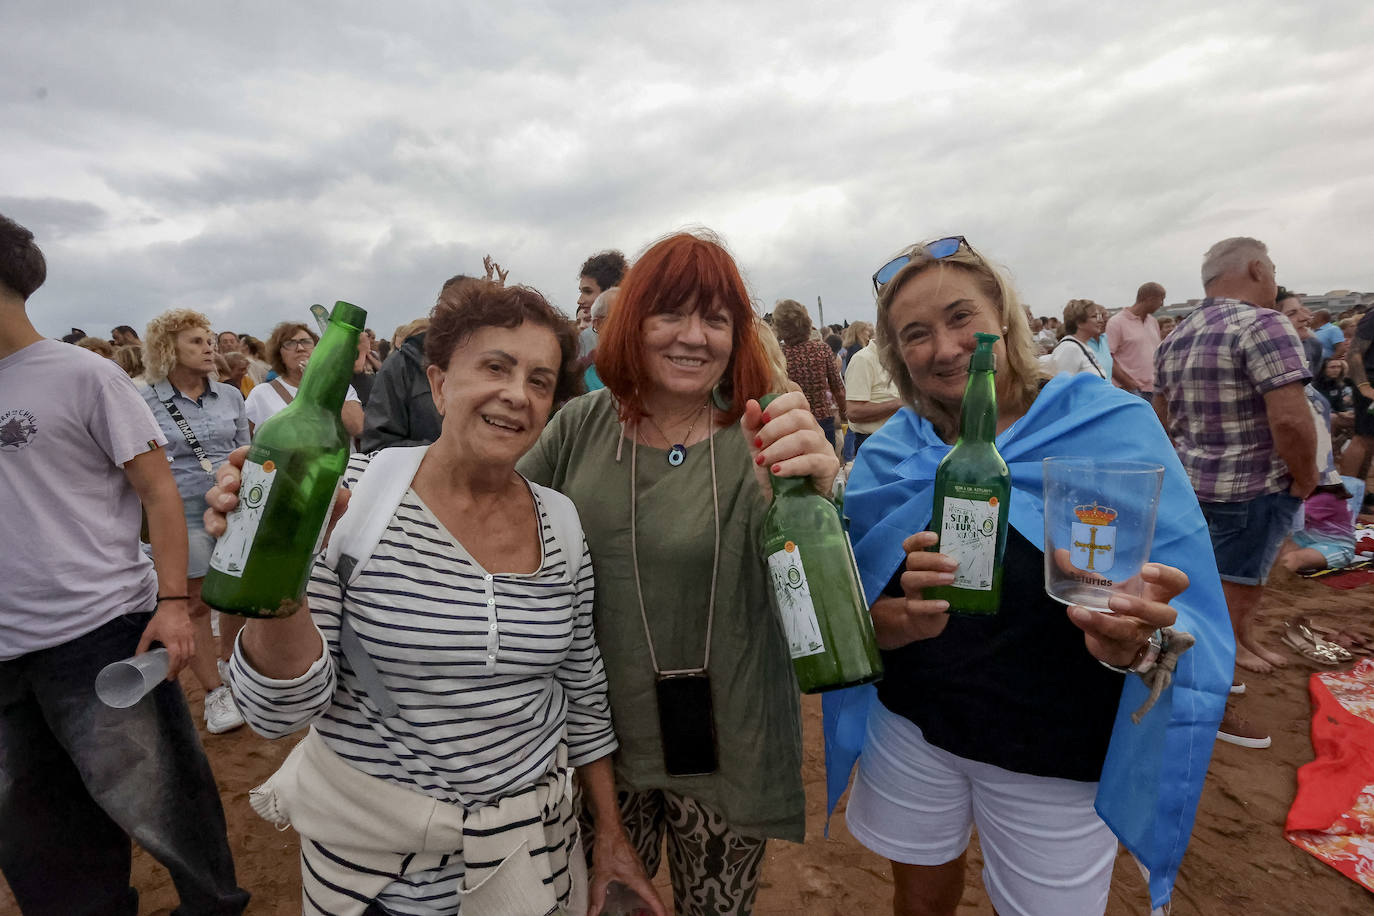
x: 298, y: 343
x: 940, y: 248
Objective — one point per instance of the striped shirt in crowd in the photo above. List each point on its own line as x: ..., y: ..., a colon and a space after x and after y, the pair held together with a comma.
x: 485, y: 668
x: 1214, y: 370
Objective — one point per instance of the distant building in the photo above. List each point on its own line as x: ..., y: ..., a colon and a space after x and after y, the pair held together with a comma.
x: 1336, y: 302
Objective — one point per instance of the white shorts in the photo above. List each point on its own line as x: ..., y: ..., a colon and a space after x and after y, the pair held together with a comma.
x: 1045, y: 850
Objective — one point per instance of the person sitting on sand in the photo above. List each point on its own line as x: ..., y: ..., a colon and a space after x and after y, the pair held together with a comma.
x: 1327, y: 538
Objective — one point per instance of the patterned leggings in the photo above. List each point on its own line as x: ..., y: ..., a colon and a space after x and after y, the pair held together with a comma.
x: 715, y: 871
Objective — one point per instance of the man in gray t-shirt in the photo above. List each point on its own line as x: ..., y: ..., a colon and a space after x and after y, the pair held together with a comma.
x: 79, y: 453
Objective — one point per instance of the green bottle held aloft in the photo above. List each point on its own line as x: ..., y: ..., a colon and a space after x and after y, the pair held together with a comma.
x: 815, y: 581
x: 972, y: 496
x: 262, y: 563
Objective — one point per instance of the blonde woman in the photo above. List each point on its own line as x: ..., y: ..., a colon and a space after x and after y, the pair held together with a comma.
x: 1034, y: 785
x: 97, y: 346
x: 855, y: 338
x: 130, y: 359
x: 203, y: 420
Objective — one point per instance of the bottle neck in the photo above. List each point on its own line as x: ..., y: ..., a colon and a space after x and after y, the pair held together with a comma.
x: 791, y: 486
x: 978, y: 421
x: 331, y: 367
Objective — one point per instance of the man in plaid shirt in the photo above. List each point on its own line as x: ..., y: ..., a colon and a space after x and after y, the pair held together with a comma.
x: 1229, y: 389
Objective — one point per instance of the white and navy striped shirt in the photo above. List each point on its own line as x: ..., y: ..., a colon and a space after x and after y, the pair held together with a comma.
x: 490, y: 672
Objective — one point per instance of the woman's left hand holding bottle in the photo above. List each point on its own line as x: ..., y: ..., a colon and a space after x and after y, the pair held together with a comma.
x: 786, y: 440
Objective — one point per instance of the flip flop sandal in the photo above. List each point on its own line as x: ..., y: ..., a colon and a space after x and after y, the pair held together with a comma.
x: 1308, y: 650
x: 1304, y: 629
x: 1343, y: 638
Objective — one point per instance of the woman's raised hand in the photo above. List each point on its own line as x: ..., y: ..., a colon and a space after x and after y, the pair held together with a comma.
x: 224, y: 495
x: 786, y: 439
x: 898, y: 621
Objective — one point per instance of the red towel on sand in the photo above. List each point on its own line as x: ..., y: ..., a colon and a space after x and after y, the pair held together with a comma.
x: 1333, y: 814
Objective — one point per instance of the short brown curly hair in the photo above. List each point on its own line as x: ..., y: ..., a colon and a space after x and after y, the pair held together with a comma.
x: 791, y: 322
x: 160, y: 341
x: 1076, y: 312
x: 465, y: 307
x: 280, y: 334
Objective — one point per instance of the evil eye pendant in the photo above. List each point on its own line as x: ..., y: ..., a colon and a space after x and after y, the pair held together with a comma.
x: 677, y: 454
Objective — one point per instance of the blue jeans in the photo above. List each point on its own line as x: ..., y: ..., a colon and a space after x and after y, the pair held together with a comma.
x: 1246, y: 536
x: 828, y: 427
x: 78, y: 779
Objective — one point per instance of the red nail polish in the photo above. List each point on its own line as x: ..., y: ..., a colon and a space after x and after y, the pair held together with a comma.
x: 777, y: 468
x: 758, y: 442
x: 758, y: 459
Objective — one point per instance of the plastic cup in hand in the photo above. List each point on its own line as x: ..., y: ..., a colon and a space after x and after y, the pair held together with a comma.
x: 123, y: 683
x: 1099, y: 524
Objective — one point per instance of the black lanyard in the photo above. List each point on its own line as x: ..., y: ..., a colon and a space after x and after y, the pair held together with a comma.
x: 1089, y: 355
x: 190, y: 435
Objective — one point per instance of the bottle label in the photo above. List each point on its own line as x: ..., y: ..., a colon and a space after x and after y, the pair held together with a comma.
x: 231, y: 552
x: 968, y: 533
x: 794, y: 602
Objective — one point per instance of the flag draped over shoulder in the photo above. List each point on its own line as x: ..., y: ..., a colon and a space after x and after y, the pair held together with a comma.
x: 1153, y: 774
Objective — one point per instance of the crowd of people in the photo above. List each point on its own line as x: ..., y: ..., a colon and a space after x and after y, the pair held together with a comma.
x: 531, y: 664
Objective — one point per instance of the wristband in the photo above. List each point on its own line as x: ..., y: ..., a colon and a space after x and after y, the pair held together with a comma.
x: 162, y: 598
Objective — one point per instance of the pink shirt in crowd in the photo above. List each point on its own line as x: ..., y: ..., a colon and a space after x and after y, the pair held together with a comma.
x: 1133, y: 342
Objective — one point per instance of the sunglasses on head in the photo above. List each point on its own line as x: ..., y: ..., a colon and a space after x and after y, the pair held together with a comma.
x: 940, y: 248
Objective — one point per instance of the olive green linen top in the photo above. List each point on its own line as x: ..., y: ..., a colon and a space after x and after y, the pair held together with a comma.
x: 758, y: 786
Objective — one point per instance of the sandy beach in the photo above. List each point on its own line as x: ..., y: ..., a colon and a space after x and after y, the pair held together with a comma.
x: 1238, y: 862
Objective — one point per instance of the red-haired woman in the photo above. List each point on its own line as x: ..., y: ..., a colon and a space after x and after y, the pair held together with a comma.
x: 667, y: 467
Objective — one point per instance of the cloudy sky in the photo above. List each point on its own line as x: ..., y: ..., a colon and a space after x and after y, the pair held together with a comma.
x: 248, y: 159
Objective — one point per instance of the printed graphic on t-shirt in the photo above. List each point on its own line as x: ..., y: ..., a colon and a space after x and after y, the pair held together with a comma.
x: 18, y: 428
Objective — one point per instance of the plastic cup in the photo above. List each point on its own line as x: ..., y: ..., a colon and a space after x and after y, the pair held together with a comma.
x: 123, y: 683
x: 1099, y: 525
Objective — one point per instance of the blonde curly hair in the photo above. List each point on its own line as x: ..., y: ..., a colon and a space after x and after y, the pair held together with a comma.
x: 160, y: 341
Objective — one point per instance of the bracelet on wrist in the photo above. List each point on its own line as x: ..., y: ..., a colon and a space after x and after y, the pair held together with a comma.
x: 162, y: 598
x: 1145, y: 659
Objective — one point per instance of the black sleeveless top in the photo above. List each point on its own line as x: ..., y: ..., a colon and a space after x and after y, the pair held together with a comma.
x: 1017, y: 690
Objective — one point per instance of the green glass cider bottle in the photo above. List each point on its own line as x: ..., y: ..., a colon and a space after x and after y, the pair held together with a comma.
x: 816, y: 583
x: 261, y: 564
x: 972, y: 496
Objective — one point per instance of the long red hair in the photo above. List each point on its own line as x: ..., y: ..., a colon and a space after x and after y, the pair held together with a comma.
x: 678, y: 268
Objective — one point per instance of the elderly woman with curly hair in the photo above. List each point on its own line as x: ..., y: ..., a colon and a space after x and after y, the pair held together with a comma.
x: 203, y: 421
x: 453, y: 683
x: 289, y: 350
x: 810, y: 363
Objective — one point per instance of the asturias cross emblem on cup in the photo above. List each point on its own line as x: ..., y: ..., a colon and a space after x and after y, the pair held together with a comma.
x: 1092, y: 534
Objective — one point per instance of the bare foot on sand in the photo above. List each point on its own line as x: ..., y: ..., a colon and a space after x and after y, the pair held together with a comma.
x: 1252, y: 662
x: 1252, y: 656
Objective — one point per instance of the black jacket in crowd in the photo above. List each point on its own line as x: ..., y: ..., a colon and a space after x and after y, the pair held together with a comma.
x: 401, y: 410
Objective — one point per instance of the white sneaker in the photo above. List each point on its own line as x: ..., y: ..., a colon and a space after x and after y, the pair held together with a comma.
x: 223, y: 667
x: 221, y: 712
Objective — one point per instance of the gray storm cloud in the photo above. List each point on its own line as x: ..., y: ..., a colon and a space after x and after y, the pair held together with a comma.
x: 250, y: 160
